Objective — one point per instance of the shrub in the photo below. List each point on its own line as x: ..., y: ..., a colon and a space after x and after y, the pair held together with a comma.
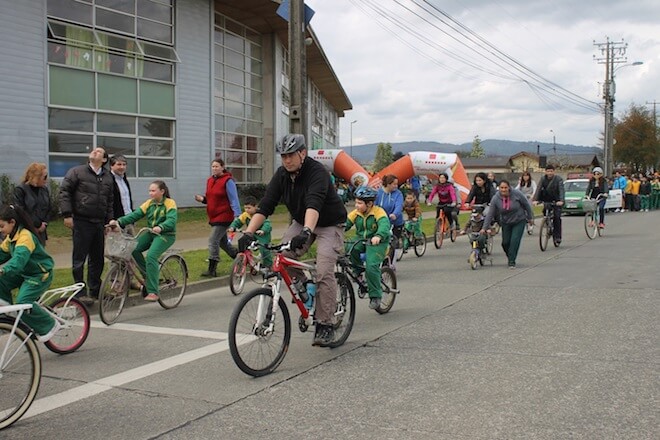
x: 7, y: 187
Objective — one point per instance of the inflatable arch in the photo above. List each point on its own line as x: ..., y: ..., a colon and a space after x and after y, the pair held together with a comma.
x: 414, y: 163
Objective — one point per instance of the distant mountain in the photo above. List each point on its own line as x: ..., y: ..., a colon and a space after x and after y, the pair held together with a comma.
x: 493, y: 147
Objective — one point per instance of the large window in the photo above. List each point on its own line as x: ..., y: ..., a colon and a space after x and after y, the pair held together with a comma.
x: 111, y: 83
x: 238, y: 100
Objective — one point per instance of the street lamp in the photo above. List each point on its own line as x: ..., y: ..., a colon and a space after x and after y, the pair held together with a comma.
x: 610, y: 89
x: 353, y: 122
x: 554, y: 145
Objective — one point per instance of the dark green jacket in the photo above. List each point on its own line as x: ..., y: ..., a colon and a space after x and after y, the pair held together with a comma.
x: 25, y: 256
x: 163, y: 214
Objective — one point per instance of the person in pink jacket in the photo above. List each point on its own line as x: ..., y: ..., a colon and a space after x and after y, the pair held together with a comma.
x: 446, y: 199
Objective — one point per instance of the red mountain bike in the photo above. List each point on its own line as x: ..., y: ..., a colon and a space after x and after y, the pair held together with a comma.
x: 260, y: 326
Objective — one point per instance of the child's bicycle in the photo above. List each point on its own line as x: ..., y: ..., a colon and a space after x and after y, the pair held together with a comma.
x: 173, y: 276
x: 246, y: 263
x: 408, y: 239
x: 20, y: 364
x: 260, y: 326
x: 592, y: 221
x: 442, y: 228
x: 546, y: 231
x: 387, y: 278
x: 71, y: 315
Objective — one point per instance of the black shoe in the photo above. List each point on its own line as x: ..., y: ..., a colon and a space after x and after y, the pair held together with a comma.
x: 211, y: 271
x: 86, y: 299
x: 324, y: 335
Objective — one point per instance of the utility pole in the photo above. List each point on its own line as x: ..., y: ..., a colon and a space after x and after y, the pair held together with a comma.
x: 297, y: 83
x: 655, y: 119
x: 611, y: 53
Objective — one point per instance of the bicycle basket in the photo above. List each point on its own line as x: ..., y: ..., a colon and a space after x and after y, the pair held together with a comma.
x: 589, y: 205
x: 119, y: 245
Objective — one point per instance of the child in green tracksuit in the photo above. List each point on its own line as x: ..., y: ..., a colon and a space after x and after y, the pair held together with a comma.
x: 28, y: 268
x: 373, y: 225
x: 161, y: 213
x: 262, y: 235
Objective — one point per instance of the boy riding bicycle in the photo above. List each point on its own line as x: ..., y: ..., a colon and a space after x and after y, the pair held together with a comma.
x: 371, y: 224
x: 414, y: 212
x: 262, y: 235
x: 475, y: 225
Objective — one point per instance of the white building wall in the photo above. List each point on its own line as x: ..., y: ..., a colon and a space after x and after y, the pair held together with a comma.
x: 23, y: 129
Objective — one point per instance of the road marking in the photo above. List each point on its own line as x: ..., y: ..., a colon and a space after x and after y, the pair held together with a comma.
x: 98, y: 386
x: 206, y: 334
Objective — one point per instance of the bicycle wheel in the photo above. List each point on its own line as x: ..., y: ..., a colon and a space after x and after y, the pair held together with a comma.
x: 345, y: 314
x: 543, y: 235
x: 438, y: 234
x: 590, y: 225
x: 258, y: 349
x: 172, y: 280
x: 473, y: 259
x: 20, y: 372
x: 600, y: 230
x: 74, y: 329
x: 398, y: 248
x: 238, y: 274
x: 453, y: 233
x: 113, y: 293
x: 420, y: 245
x: 388, y: 283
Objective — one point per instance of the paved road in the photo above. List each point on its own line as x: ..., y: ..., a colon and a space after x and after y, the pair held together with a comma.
x: 565, y: 346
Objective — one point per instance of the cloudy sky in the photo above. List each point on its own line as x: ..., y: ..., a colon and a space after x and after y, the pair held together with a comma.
x: 516, y: 70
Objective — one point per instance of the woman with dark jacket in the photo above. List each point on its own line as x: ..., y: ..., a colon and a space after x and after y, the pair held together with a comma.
x: 598, y: 185
x: 33, y: 197
x: 222, y: 207
x: 512, y: 209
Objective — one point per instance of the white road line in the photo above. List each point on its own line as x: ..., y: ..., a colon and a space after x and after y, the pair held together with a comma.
x: 98, y: 386
x: 206, y: 334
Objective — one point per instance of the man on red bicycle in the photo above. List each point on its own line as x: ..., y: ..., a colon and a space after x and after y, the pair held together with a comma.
x: 318, y: 214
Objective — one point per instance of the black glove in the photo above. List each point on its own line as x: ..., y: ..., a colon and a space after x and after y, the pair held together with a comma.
x: 301, y: 239
x: 245, y: 241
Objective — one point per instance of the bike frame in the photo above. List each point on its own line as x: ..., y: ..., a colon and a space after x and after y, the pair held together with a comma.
x: 15, y: 311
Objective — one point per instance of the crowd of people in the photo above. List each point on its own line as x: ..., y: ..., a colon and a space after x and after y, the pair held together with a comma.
x: 97, y: 196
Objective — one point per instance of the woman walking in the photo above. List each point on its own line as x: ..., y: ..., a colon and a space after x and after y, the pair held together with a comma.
x: 33, y: 197
x: 222, y: 207
x: 512, y: 209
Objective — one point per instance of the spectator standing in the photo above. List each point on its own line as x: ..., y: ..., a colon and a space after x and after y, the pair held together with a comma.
x: 551, y: 190
x: 620, y: 182
x: 512, y: 209
x: 493, y: 181
x: 33, y: 197
x: 222, y: 207
x: 415, y: 186
x: 86, y: 203
x: 655, y: 193
x: 122, y: 197
x: 634, y: 190
x: 628, y: 195
x: 645, y: 194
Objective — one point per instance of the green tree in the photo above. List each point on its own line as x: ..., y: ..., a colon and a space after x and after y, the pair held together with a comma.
x: 384, y: 156
x: 462, y: 153
x: 477, y: 149
x: 636, y: 141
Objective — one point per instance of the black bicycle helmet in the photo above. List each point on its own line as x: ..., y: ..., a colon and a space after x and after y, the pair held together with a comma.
x: 290, y: 143
x: 365, y: 193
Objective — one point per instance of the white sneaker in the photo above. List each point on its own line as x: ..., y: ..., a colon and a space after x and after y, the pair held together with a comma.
x: 617, y: 210
x: 48, y: 336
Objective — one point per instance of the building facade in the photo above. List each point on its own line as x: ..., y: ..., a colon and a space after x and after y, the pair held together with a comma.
x: 169, y: 84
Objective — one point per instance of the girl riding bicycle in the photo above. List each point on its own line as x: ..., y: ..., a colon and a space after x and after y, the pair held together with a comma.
x: 161, y: 213
x: 598, y: 185
x: 28, y: 268
x: 371, y: 224
x: 414, y: 212
x: 446, y: 199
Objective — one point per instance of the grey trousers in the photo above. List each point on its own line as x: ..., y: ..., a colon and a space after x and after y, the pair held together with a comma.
x: 330, y: 245
x: 217, y: 240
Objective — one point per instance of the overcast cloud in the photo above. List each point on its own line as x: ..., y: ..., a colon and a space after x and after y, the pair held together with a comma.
x: 401, y: 95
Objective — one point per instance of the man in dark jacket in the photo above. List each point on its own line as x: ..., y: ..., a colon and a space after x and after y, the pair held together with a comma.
x: 551, y: 190
x: 122, y: 197
x: 86, y: 203
x: 318, y: 213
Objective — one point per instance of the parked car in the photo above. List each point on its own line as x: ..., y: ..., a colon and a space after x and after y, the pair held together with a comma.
x: 574, y: 190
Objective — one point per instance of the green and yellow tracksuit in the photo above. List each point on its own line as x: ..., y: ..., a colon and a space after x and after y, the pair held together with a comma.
x: 30, y: 269
x: 244, y: 220
x: 374, y: 222
x: 163, y: 214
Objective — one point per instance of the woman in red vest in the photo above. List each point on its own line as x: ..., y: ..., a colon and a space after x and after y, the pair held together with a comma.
x: 222, y: 206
